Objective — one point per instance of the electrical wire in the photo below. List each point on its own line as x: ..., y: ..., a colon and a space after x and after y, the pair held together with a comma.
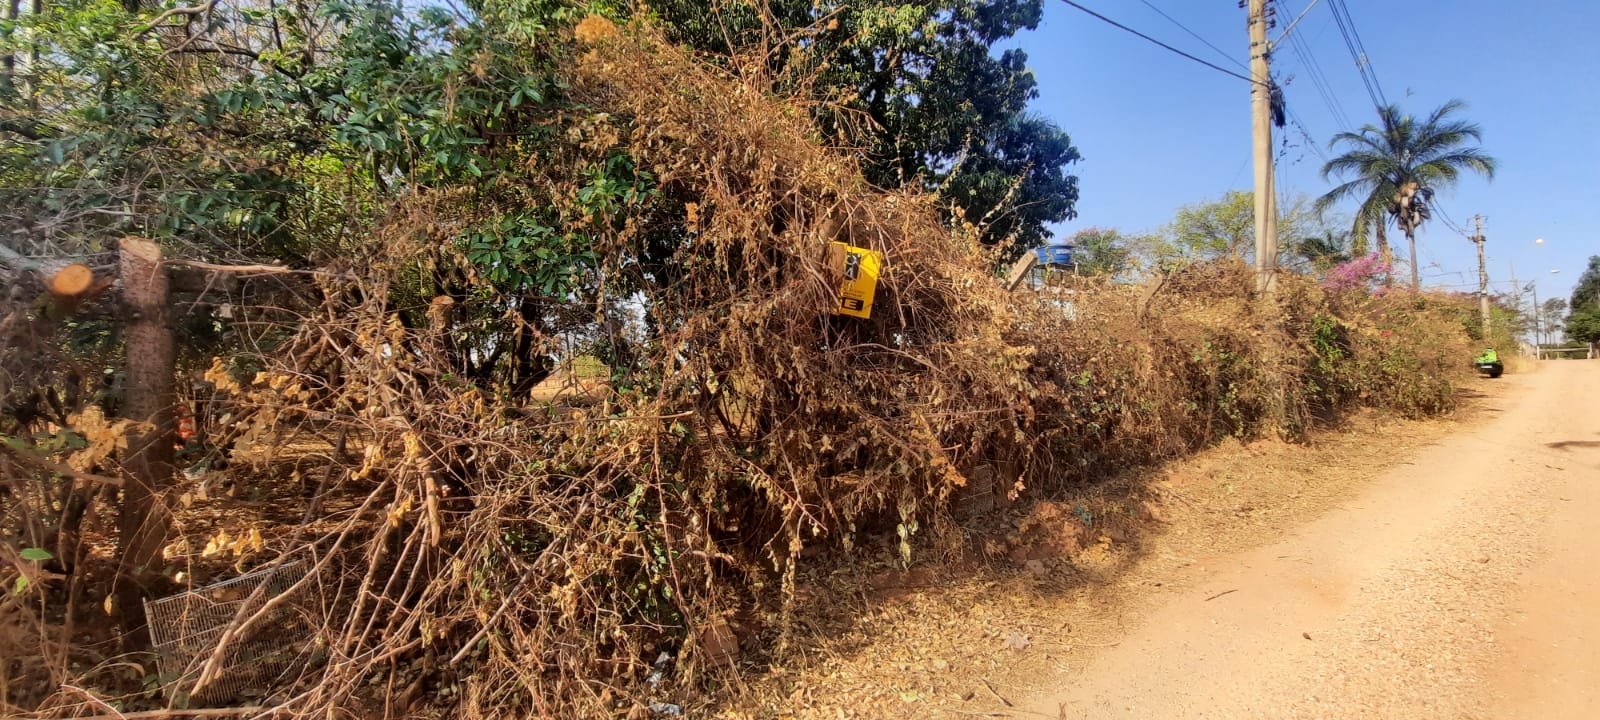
x: 1319, y: 80
x: 1296, y: 21
x: 1451, y: 223
x: 1316, y: 148
x: 1362, y: 47
x: 1196, y: 36
x: 1169, y: 48
x: 1362, y: 63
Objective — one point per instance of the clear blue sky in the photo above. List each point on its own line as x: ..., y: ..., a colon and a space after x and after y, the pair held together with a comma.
x: 1158, y: 131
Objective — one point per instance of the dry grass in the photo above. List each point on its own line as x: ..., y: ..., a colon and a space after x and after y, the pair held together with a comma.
x: 1517, y: 364
x: 487, y: 556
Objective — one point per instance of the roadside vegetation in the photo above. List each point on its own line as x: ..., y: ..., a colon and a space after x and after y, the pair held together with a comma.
x: 502, y: 339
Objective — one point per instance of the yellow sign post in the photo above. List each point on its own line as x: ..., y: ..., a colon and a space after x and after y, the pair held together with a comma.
x: 859, y: 268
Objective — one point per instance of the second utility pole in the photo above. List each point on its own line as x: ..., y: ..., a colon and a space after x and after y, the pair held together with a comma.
x: 1266, y: 205
x: 1483, y: 276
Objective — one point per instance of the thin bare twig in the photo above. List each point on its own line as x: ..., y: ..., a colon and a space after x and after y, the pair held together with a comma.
x: 179, y: 713
x: 189, y: 12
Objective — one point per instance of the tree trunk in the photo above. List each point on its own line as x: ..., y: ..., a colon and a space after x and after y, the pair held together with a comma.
x: 8, y: 61
x: 1384, y: 253
x: 1411, y: 243
x: 150, y: 399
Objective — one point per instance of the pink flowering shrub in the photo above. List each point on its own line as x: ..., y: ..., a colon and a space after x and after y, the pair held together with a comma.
x: 1356, y: 274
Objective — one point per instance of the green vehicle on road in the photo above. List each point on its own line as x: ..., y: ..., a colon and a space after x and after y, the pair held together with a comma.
x: 1488, y: 364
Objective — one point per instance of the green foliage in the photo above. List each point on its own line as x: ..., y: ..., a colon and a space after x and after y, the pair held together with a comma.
x: 1330, y: 348
x: 1225, y: 228
x: 1324, y: 251
x: 1583, y: 325
x: 121, y: 133
x: 35, y: 554
x: 429, y: 99
x: 1214, y: 229
x: 918, y: 86
x: 1583, y: 321
x: 1586, y: 294
x: 1101, y: 251
x: 1587, y: 291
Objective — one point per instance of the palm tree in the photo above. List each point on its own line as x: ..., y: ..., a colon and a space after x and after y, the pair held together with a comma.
x: 1321, y: 253
x: 1396, y: 166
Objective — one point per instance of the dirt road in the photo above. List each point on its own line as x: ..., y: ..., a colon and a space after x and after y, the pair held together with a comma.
x: 1463, y: 584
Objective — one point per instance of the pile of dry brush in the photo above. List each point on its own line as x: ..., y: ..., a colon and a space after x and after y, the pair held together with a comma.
x: 502, y: 559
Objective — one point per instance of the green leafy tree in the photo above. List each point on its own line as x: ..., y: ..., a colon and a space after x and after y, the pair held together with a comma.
x: 1552, y: 316
x: 1583, y: 322
x: 1101, y: 251
x: 1396, y: 166
x: 1225, y: 227
x: 919, y: 88
x: 281, y: 133
x: 123, y: 128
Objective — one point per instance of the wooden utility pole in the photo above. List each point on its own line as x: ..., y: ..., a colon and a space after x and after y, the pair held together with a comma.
x: 1261, y: 123
x: 1483, y: 275
x: 1516, y: 298
x: 1538, y: 319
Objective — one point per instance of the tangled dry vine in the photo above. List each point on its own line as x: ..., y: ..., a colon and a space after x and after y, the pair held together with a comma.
x: 470, y: 547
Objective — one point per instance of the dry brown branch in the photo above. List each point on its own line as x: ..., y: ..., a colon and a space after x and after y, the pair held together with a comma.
x: 246, y: 269
x: 540, y: 558
x: 250, y: 710
x: 48, y: 465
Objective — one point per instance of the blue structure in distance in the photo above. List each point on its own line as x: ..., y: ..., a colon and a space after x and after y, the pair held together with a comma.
x: 1055, y: 254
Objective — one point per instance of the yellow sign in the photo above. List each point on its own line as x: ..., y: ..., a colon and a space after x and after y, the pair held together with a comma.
x: 858, y: 268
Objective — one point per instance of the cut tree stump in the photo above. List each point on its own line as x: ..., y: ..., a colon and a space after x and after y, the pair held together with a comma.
x: 151, y: 395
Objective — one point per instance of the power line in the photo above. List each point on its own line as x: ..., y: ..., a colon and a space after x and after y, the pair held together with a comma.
x: 1361, y: 46
x: 1296, y: 21
x: 1450, y: 223
x: 1308, y: 60
x: 1196, y: 36
x: 1316, y: 148
x: 1427, y: 254
x: 1350, y: 45
x: 1169, y: 48
x: 1347, y: 30
x: 1320, y: 84
x: 1319, y: 80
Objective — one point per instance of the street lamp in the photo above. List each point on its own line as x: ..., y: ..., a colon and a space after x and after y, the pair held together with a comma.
x: 1538, y: 312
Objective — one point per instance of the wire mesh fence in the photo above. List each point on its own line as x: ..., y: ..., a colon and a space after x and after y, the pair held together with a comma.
x: 187, y: 628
